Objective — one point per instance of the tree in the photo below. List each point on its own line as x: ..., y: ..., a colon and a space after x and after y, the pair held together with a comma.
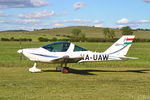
x: 110, y: 34
x: 76, y: 32
x: 105, y: 31
x: 126, y: 30
x: 82, y: 37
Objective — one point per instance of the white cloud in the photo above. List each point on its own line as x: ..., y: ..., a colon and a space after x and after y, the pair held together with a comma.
x: 37, y: 14
x: 23, y: 3
x: 142, y: 21
x: 98, y: 25
x: 96, y: 21
x: 3, y: 14
x: 2, y: 21
x: 34, y: 26
x: 123, y: 21
x: 22, y: 21
x: 58, y: 25
x: 26, y: 21
x: 39, y: 3
x: 25, y: 28
x: 146, y: 0
x: 61, y: 13
x: 131, y: 25
x: 118, y: 26
x: 78, y: 21
x: 79, y: 5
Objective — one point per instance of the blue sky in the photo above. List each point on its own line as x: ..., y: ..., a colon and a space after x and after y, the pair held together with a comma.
x: 38, y: 14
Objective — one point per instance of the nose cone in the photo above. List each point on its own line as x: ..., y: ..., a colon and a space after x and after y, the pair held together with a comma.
x: 20, y: 51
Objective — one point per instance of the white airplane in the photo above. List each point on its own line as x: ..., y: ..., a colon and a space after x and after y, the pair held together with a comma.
x: 63, y: 52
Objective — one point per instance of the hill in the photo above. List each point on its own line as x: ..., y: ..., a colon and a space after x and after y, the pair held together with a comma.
x: 59, y: 32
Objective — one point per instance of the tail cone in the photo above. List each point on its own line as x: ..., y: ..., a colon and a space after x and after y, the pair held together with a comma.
x: 20, y: 51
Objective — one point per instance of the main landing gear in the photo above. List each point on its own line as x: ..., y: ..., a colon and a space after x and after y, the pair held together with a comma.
x: 34, y: 69
x: 63, y: 69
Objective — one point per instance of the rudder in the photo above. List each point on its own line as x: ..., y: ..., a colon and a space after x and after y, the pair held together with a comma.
x: 122, y: 46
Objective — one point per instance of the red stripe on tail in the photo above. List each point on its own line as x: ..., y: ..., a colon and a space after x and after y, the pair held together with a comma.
x: 129, y: 39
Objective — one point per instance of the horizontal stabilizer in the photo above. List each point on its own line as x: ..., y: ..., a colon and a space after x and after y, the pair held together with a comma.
x: 126, y: 58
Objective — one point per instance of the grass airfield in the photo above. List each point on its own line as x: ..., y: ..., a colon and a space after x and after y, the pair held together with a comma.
x: 81, y: 84
x: 114, y: 80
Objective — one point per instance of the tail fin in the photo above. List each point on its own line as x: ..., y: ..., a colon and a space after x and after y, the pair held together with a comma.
x: 122, y: 46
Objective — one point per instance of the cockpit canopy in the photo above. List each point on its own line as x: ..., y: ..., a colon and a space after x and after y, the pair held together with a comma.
x: 61, y: 46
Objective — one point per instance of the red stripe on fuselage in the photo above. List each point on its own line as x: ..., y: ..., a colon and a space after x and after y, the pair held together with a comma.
x: 129, y: 39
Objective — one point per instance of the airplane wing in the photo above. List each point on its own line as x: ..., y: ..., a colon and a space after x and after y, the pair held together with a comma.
x: 67, y: 59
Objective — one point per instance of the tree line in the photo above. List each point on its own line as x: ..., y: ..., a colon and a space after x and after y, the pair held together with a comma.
x: 14, y: 39
x: 110, y: 34
x: 78, y: 36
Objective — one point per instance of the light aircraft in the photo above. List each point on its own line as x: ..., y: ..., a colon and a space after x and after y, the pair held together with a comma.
x: 63, y: 52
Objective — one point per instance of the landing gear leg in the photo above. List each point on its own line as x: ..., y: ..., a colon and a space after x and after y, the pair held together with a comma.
x: 34, y: 69
x: 59, y: 68
x: 63, y: 69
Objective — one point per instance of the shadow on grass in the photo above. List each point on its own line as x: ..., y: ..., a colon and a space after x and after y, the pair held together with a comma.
x: 88, y: 71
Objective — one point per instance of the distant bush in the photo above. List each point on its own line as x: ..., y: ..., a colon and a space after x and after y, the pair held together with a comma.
x: 78, y: 39
x: 108, y: 33
x: 67, y: 36
x: 76, y: 32
x: 5, y: 39
x: 126, y: 30
x: 24, y: 39
x: 142, y: 29
x: 41, y: 39
x: 113, y: 40
x: 141, y: 40
x: 14, y: 39
x: 53, y: 39
x: 58, y: 35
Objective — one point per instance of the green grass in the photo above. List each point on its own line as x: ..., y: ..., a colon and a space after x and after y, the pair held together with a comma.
x: 107, y: 84
x: 114, y: 80
x: 9, y: 56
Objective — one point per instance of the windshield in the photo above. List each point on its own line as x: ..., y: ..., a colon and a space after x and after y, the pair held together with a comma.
x: 77, y: 48
x: 57, y: 46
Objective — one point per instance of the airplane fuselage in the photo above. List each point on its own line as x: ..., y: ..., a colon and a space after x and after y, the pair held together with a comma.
x: 42, y: 55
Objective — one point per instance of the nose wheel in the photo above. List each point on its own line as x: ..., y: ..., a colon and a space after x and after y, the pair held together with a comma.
x: 34, y: 69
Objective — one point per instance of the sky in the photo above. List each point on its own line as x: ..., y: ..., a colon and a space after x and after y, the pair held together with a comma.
x: 45, y: 14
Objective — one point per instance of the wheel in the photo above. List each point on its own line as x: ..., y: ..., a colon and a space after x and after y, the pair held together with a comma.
x: 65, y: 70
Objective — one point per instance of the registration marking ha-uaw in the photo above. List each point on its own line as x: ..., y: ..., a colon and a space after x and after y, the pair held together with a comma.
x: 96, y: 57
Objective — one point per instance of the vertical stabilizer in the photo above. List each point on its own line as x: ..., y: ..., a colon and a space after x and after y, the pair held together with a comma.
x: 122, y: 46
